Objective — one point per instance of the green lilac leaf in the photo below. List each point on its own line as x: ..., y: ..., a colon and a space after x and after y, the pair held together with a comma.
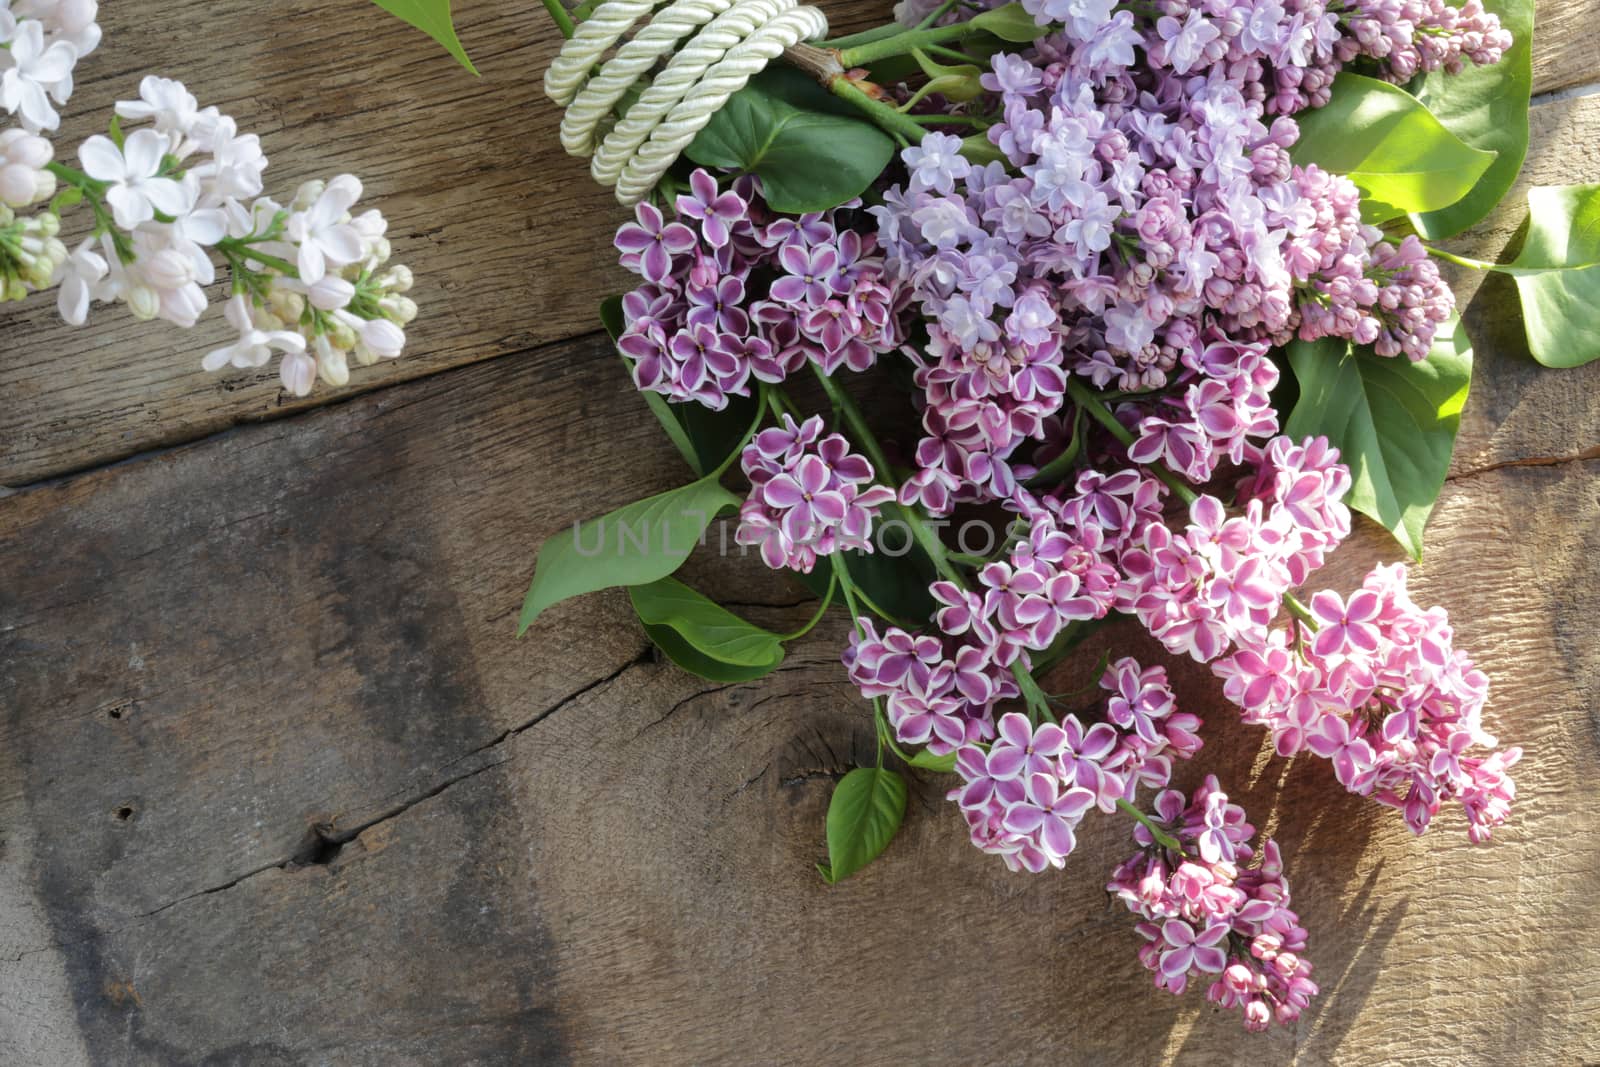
x: 691, y: 659
x: 432, y: 17
x: 929, y: 762
x: 1010, y: 23
x: 1386, y: 142
x: 634, y: 545
x: 1558, y: 274
x: 784, y: 128
x: 1393, y: 421
x: 706, y: 625
x: 1487, y: 107
x: 863, y: 816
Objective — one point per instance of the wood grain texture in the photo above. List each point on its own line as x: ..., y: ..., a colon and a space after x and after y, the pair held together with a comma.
x: 508, y: 237
x: 279, y: 787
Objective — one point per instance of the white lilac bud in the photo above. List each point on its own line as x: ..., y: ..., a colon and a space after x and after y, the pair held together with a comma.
x: 340, y: 333
x: 331, y: 365
x: 297, y: 371
x: 398, y: 309
x: 286, y: 304
x: 19, y: 185
x: 143, y: 302
x: 397, y: 279
x: 169, y: 269
x: 307, y: 195
x: 383, y: 337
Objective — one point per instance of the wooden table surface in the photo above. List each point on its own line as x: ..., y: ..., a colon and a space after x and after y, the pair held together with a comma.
x: 278, y: 786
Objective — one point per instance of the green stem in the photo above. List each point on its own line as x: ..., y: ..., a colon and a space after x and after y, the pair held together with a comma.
x: 559, y: 16
x: 937, y: 13
x: 1164, y: 839
x: 902, y: 43
x: 755, y: 424
x: 233, y: 247
x: 950, y: 120
x: 1085, y: 398
x: 1038, y: 704
x: 1299, y: 610
x: 951, y: 53
x: 822, y: 609
x: 968, y: 559
x: 845, y: 404
x: 877, y: 33
x: 884, y: 116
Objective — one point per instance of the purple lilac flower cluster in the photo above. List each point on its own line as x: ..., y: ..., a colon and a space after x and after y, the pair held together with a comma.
x: 1024, y: 796
x: 1375, y: 685
x: 1205, y: 916
x: 1285, y: 53
x: 937, y: 692
x: 810, y: 495
x: 733, y: 292
x: 1144, y: 216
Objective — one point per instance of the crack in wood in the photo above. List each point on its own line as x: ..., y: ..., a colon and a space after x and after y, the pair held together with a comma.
x: 1585, y: 456
x: 323, y: 843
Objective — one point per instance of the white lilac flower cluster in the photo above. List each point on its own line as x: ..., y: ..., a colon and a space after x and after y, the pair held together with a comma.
x: 308, y: 279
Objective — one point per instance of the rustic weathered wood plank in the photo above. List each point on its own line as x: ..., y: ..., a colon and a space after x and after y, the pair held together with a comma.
x: 508, y: 236
x: 561, y: 849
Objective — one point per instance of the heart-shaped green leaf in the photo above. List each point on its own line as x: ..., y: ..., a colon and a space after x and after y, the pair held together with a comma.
x: 810, y: 153
x: 1487, y: 107
x: 1391, y: 146
x: 636, y: 544
x: 432, y: 17
x: 1558, y: 274
x: 705, y: 625
x: 866, y: 809
x: 1393, y: 421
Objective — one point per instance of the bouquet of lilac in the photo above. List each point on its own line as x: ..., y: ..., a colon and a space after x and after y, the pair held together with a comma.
x: 1158, y: 280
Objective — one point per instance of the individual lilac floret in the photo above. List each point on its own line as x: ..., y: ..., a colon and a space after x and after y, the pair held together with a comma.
x: 810, y: 495
x: 1206, y: 916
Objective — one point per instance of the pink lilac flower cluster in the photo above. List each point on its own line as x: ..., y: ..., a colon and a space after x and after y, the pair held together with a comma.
x: 733, y: 293
x: 1207, y: 917
x: 1375, y: 685
x: 810, y: 495
x: 1357, y: 285
x: 1024, y: 796
x: 1222, y: 579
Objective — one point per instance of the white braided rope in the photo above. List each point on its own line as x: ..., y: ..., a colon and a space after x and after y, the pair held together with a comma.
x: 690, y: 115
x: 731, y: 42
x: 682, y: 74
x: 594, y: 103
x: 583, y: 49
